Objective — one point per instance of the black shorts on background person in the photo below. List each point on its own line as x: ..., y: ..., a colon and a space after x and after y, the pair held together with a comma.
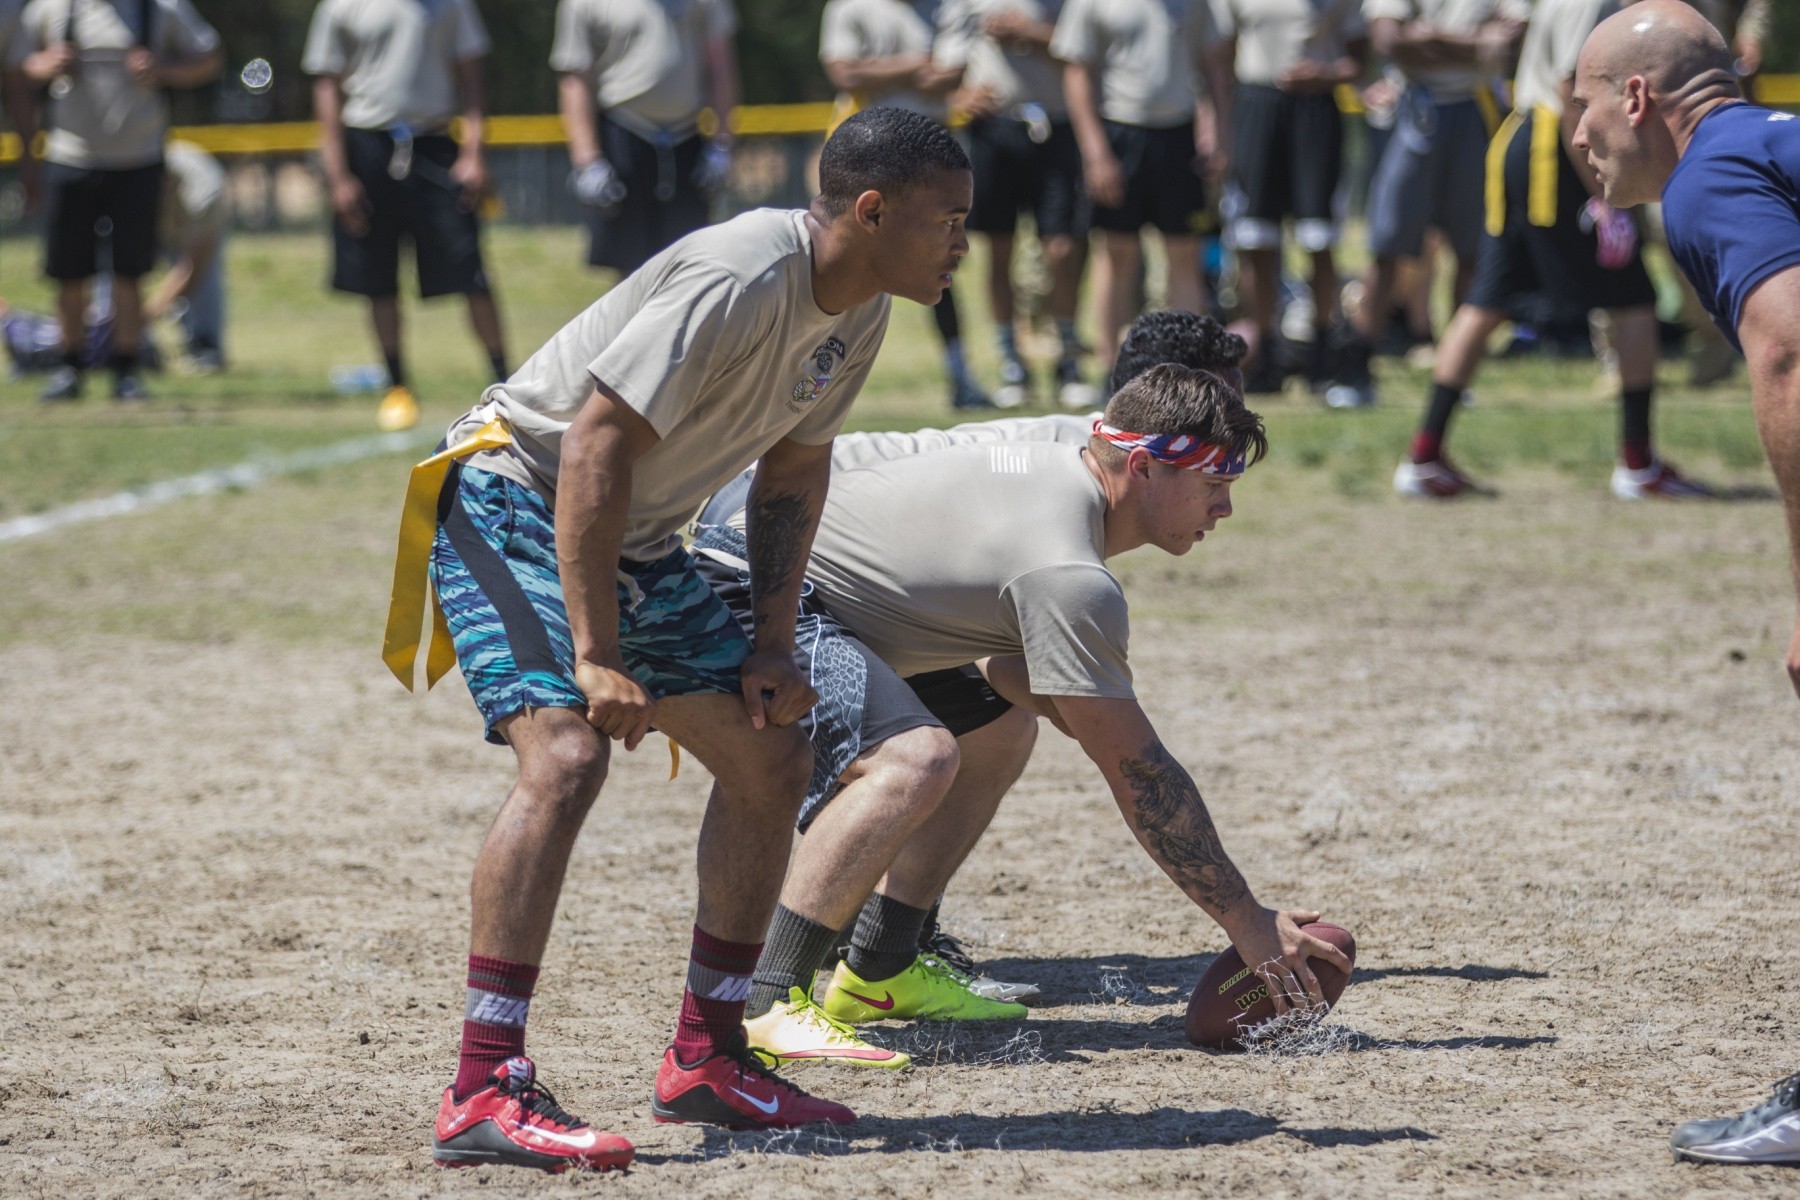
x: 425, y: 206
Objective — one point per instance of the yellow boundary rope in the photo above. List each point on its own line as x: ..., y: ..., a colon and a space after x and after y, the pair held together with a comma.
x: 751, y: 120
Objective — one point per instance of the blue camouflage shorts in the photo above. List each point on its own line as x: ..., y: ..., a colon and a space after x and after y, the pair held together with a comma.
x: 493, y: 565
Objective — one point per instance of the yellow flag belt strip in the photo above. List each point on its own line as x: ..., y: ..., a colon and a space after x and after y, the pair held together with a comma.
x: 406, y: 599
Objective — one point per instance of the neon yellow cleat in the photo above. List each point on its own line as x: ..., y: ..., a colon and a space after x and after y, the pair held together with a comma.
x: 398, y: 411
x: 927, y: 989
x: 797, y: 1031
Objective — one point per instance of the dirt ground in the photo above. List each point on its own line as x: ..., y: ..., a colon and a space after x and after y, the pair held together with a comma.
x: 1535, y: 752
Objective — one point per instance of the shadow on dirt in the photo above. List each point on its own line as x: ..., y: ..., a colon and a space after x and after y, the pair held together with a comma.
x: 1052, y: 1038
x: 1098, y: 1130
x: 1144, y: 980
x: 1469, y: 971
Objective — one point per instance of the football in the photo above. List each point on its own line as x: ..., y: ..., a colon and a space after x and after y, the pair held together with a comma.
x: 1230, y: 998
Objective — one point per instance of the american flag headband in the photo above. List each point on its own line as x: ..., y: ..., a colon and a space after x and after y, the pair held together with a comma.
x: 1176, y: 449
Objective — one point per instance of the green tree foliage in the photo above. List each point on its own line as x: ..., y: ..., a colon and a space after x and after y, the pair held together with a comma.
x: 1782, y: 55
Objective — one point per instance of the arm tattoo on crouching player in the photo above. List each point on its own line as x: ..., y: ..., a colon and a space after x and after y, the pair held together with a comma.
x: 776, y: 531
x: 1175, y: 822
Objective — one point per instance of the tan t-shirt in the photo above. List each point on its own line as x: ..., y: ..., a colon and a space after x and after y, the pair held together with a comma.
x: 856, y: 29
x: 718, y: 343
x: 396, y: 59
x: 900, y: 560
x: 194, y: 209
x: 1273, y: 35
x: 1013, y: 77
x: 1552, y: 45
x: 645, y: 57
x: 1451, y: 16
x: 853, y: 451
x: 108, y: 121
x: 1147, y: 53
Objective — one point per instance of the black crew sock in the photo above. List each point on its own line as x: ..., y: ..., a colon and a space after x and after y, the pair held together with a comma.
x: 497, y: 360
x: 72, y: 359
x: 396, y: 370
x: 886, y: 939
x: 1444, y: 399
x: 1634, y: 428
x: 790, y: 958
x: 1428, y: 442
x: 122, y: 364
x: 930, y: 927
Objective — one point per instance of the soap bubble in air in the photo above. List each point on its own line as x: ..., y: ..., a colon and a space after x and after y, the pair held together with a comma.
x: 257, y: 76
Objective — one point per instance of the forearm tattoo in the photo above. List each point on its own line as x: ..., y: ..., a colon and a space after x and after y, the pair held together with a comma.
x: 1174, y: 821
x: 777, y: 532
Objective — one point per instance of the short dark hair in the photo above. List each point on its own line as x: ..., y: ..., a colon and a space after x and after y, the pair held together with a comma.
x: 1174, y: 335
x: 885, y: 150
x: 1171, y: 398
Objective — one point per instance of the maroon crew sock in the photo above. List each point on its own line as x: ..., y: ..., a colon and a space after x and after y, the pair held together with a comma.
x: 499, y: 997
x: 718, y: 983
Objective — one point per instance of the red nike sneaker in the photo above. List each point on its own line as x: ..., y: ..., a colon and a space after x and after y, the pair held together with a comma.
x: 732, y: 1088
x: 515, y: 1121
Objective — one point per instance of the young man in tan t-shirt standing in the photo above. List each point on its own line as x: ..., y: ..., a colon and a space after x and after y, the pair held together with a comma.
x: 645, y: 172
x: 879, y: 52
x: 1274, y: 67
x: 578, y: 619
x: 105, y: 64
x: 1132, y: 79
x: 389, y: 78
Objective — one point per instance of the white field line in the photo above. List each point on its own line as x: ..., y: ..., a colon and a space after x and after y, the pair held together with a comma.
x: 243, y: 475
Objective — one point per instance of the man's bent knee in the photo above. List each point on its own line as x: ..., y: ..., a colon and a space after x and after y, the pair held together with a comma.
x: 922, y: 761
x: 561, y: 756
x: 1016, y: 730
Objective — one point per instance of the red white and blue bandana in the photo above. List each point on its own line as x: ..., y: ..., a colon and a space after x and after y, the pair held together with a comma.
x: 1176, y: 449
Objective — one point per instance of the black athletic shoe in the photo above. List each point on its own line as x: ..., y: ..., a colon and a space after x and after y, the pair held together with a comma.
x: 1352, y: 383
x: 64, y: 385
x: 1766, y: 1134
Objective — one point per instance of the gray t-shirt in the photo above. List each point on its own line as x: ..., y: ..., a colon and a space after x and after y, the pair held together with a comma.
x: 645, y: 57
x: 1552, y: 45
x: 857, y: 29
x: 853, y: 451
x: 1012, y: 76
x: 1456, y: 82
x: 107, y: 120
x: 396, y: 59
x: 1273, y: 35
x: 719, y: 344
x: 1147, y: 53
x: 937, y: 559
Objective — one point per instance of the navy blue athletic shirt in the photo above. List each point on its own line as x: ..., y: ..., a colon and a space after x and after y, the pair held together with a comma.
x: 1732, y: 208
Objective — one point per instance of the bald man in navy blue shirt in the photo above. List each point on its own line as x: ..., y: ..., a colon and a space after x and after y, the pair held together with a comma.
x: 1662, y: 117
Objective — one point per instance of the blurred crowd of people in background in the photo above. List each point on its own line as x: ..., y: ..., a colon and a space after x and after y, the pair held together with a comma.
x: 1219, y: 124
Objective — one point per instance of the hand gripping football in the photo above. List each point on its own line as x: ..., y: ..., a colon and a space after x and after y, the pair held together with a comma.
x: 1230, y: 997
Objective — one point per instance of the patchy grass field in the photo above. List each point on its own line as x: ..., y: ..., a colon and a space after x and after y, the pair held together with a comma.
x: 1536, y: 751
